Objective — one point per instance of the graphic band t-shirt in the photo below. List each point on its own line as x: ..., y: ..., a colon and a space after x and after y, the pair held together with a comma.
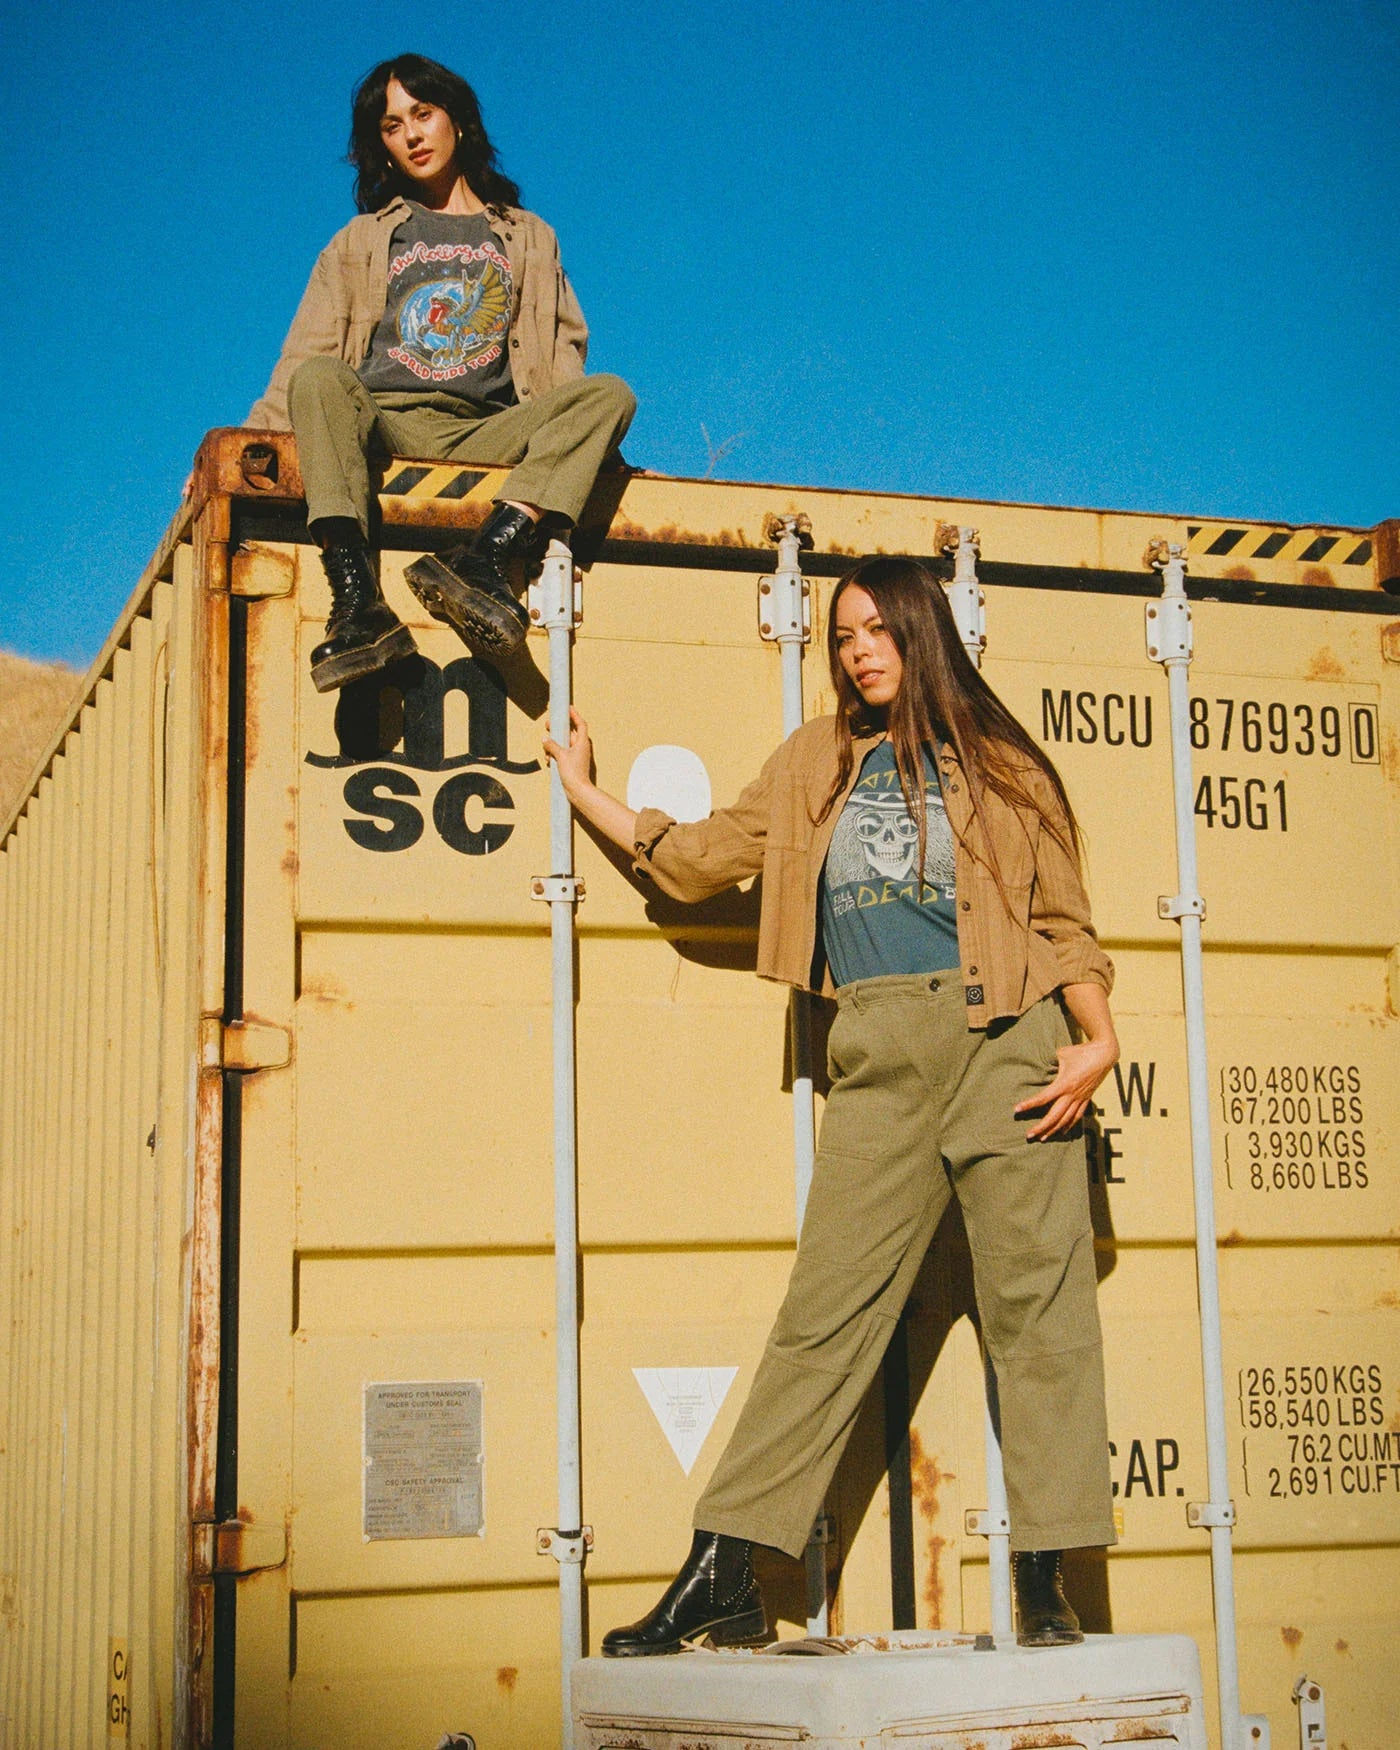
x: 875, y: 921
x: 446, y: 317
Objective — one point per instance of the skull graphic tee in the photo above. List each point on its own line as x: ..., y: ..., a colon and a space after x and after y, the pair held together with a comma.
x: 877, y: 917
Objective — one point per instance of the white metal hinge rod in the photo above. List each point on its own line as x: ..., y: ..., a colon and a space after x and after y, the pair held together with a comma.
x: 1169, y: 642
x: 785, y: 619
x: 556, y: 605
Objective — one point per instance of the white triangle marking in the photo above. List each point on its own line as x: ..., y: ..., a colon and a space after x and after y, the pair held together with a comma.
x: 685, y: 1401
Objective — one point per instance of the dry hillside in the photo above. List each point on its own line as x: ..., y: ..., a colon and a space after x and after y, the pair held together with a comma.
x: 34, y: 697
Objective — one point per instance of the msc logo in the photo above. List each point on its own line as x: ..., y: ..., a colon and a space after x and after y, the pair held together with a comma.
x: 395, y: 724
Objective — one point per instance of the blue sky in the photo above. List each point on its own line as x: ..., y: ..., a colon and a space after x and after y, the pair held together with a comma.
x: 1127, y: 255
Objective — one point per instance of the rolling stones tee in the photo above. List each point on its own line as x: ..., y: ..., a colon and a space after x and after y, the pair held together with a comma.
x: 876, y: 917
x: 446, y: 320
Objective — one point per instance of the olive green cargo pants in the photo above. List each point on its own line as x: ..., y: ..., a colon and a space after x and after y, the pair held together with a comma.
x: 555, y: 443
x: 921, y: 1110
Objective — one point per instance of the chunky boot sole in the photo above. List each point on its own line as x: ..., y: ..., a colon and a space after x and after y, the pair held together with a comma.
x: 725, y: 1631
x: 481, y: 619
x: 354, y: 665
x: 1050, y: 1637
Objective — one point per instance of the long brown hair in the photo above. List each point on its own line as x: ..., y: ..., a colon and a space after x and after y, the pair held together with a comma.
x: 942, y: 697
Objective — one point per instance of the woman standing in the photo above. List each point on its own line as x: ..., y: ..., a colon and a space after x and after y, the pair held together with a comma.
x: 439, y: 324
x: 920, y: 857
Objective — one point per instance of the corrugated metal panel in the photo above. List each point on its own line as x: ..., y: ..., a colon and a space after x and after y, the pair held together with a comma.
x: 393, y: 1096
x: 94, y: 879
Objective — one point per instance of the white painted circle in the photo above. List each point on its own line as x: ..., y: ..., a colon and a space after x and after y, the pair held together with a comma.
x: 670, y: 778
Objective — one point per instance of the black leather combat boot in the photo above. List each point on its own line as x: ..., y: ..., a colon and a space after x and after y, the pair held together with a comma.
x: 1044, y: 1616
x: 715, y: 1593
x: 469, y: 586
x: 363, y: 633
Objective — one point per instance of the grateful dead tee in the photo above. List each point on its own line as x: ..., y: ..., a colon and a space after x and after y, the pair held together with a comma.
x: 446, y: 321
x: 876, y: 917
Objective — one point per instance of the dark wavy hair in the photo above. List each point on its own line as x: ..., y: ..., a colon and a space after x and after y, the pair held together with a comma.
x: 378, y: 178
x: 942, y: 697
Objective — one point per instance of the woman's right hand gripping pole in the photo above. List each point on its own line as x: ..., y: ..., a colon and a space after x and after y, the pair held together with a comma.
x: 614, y: 819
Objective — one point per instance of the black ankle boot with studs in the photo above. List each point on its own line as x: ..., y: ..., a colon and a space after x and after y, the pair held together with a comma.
x: 715, y: 1594
x: 363, y: 633
x: 1044, y: 1616
x: 470, y: 586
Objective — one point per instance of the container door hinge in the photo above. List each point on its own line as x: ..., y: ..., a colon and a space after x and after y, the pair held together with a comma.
x: 1254, y: 1731
x: 243, y: 1045
x: 1169, y: 630
x: 238, y: 1547
x: 981, y: 1522
x: 259, y: 572
x: 550, y: 888
x: 564, y: 1546
x: 1178, y: 905
x: 1312, y: 1714
x: 785, y: 598
x: 554, y: 599
x: 965, y: 594
x: 1206, y: 1515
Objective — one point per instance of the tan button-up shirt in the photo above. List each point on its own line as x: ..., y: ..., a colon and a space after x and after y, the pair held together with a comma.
x: 1010, y: 957
x: 344, y: 300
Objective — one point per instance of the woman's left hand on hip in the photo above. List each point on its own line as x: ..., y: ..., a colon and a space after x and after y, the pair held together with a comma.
x: 1066, y: 1099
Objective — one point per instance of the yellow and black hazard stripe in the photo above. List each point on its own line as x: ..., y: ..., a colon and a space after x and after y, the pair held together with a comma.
x: 1301, y: 546
x: 443, y: 480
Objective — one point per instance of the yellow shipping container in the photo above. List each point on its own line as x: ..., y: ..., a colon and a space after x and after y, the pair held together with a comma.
x: 275, y: 1036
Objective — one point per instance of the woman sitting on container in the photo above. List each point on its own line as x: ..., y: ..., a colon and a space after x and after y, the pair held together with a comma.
x: 438, y: 324
x: 953, y: 1074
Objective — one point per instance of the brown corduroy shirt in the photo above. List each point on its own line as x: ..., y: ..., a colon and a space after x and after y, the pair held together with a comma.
x: 344, y: 300
x: 1010, y: 957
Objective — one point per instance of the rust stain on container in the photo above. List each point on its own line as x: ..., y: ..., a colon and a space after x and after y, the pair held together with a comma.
x: 1239, y: 573
x: 1315, y: 577
x: 203, y: 1366
x: 926, y: 1479
x: 1344, y: 1647
x: 1325, y: 667
x: 506, y: 1676
x: 669, y: 534
x: 1292, y: 1638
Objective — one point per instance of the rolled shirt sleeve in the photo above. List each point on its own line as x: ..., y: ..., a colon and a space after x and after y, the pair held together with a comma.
x: 692, y: 860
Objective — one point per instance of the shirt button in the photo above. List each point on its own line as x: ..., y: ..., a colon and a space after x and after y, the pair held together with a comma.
x: 952, y: 789
x: 972, y: 972
x: 933, y: 984
x: 967, y: 905
x: 515, y: 340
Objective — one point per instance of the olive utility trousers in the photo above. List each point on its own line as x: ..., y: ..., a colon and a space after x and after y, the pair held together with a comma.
x: 920, y: 1111
x: 554, y: 443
